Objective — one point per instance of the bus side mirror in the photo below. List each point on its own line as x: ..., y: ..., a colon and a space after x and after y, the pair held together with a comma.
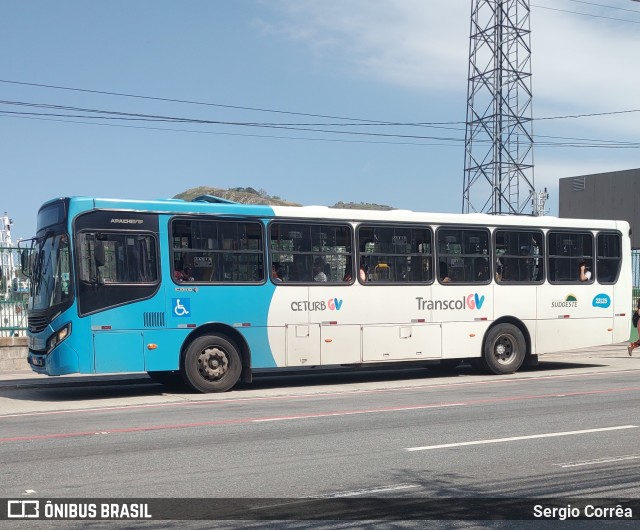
x: 25, y: 262
x: 98, y: 254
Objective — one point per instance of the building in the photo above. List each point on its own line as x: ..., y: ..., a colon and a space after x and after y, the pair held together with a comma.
x: 614, y: 195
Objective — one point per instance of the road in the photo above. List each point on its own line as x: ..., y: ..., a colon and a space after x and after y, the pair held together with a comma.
x: 568, y: 428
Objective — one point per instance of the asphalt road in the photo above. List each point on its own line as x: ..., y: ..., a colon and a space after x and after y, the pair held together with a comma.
x: 569, y: 428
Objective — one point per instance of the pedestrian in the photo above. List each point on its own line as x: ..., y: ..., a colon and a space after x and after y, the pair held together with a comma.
x: 636, y: 323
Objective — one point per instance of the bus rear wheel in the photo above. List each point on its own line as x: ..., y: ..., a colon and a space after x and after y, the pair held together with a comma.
x: 504, y: 349
x: 212, y: 364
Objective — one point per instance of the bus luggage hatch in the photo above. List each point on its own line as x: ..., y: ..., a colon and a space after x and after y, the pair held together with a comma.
x: 118, y: 351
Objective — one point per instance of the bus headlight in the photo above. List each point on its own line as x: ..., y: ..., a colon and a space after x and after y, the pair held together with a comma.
x: 58, y: 337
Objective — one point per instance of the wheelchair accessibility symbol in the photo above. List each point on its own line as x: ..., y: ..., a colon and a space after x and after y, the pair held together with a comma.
x: 181, y: 307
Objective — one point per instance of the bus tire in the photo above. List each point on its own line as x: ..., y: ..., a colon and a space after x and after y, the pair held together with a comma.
x: 212, y: 364
x: 504, y: 349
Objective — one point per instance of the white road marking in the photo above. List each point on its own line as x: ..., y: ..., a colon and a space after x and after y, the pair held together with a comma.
x: 341, y: 494
x: 313, y: 415
x: 517, y: 438
x: 596, y: 461
x: 369, y: 491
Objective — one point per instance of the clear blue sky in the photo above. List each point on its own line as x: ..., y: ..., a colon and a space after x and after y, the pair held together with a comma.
x: 389, y: 60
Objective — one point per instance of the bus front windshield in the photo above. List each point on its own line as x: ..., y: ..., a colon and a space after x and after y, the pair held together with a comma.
x: 50, y: 282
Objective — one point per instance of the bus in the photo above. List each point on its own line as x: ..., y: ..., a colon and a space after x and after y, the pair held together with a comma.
x: 213, y: 292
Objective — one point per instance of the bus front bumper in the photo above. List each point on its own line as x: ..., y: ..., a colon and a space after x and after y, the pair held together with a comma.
x: 60, y: 361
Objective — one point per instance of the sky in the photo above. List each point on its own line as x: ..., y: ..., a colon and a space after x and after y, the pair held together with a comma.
x: 260, y: 68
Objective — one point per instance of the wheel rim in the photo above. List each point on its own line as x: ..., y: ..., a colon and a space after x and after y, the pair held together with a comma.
x: 505, y: 349
x: 213, y: 363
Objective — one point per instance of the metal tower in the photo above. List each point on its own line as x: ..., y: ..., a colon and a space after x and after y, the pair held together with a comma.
x: 498, y: 171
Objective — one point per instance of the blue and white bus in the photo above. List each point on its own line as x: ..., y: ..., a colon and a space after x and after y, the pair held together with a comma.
x: 214, y: 291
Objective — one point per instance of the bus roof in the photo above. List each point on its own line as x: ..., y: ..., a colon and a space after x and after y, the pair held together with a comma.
x: 181, y: 207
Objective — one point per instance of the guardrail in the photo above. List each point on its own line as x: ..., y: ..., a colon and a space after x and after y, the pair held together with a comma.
x: 13, y: 318
x: 13, y: 294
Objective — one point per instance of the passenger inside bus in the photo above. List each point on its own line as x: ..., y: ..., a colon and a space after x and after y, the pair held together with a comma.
x: 183, y: 273
x: 318, y: 271
x: 444, y: 272
x: 276, y: 273
x: 482, y: 269
x: 348, y: 272
x: 585, y: 273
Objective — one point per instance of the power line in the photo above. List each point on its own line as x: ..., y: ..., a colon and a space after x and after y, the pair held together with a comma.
x: 606, y: 6
x: 101, y: 114
x: 190, y: 102
x: 586, y: 14
x: 137, y: 116
x: 285, y: 124
x: 575, y: 143
x: 304, y: 138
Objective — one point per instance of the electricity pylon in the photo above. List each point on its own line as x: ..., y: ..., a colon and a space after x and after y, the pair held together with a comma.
x: 498, y: 172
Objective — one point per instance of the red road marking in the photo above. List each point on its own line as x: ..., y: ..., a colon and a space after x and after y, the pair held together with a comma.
x: 312, y: 415
x: 307, y: 396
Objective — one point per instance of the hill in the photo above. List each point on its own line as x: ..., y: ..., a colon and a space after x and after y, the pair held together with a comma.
x: 253, y: 196
x: 241, y: 195
x: 361, y: 206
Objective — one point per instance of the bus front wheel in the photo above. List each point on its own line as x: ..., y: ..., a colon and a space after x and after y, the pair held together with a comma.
x: 504, y: 349
x: 212, y: 364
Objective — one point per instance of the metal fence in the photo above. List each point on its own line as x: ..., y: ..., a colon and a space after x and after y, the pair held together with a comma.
x: 13, y: 294
x: 635, y: 264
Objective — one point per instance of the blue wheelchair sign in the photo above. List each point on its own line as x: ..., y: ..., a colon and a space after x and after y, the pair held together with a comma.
x: 181, y: 307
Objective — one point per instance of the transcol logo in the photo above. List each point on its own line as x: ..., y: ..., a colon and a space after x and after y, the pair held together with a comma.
x: 471, y: 301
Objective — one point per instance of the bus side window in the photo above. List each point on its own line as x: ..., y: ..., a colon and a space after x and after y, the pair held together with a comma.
x: 567, y: 249
x: 609, y: 257
x: 520, y: 257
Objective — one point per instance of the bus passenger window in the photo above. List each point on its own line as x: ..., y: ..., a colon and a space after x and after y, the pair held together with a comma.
x: 217, y: 251
x: 609, y: 256
x: 519, y: 256
x: 311, y: 252
x: 464, y: 255
x: 395, y: 253
x: 570, y: 256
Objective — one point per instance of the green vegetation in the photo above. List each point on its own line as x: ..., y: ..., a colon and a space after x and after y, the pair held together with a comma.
x: 241, y: 195
x: 250, y: 195
x: 361, y: 206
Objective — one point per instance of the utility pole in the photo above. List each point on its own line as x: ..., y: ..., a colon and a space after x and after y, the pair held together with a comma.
x: 498, y: 173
